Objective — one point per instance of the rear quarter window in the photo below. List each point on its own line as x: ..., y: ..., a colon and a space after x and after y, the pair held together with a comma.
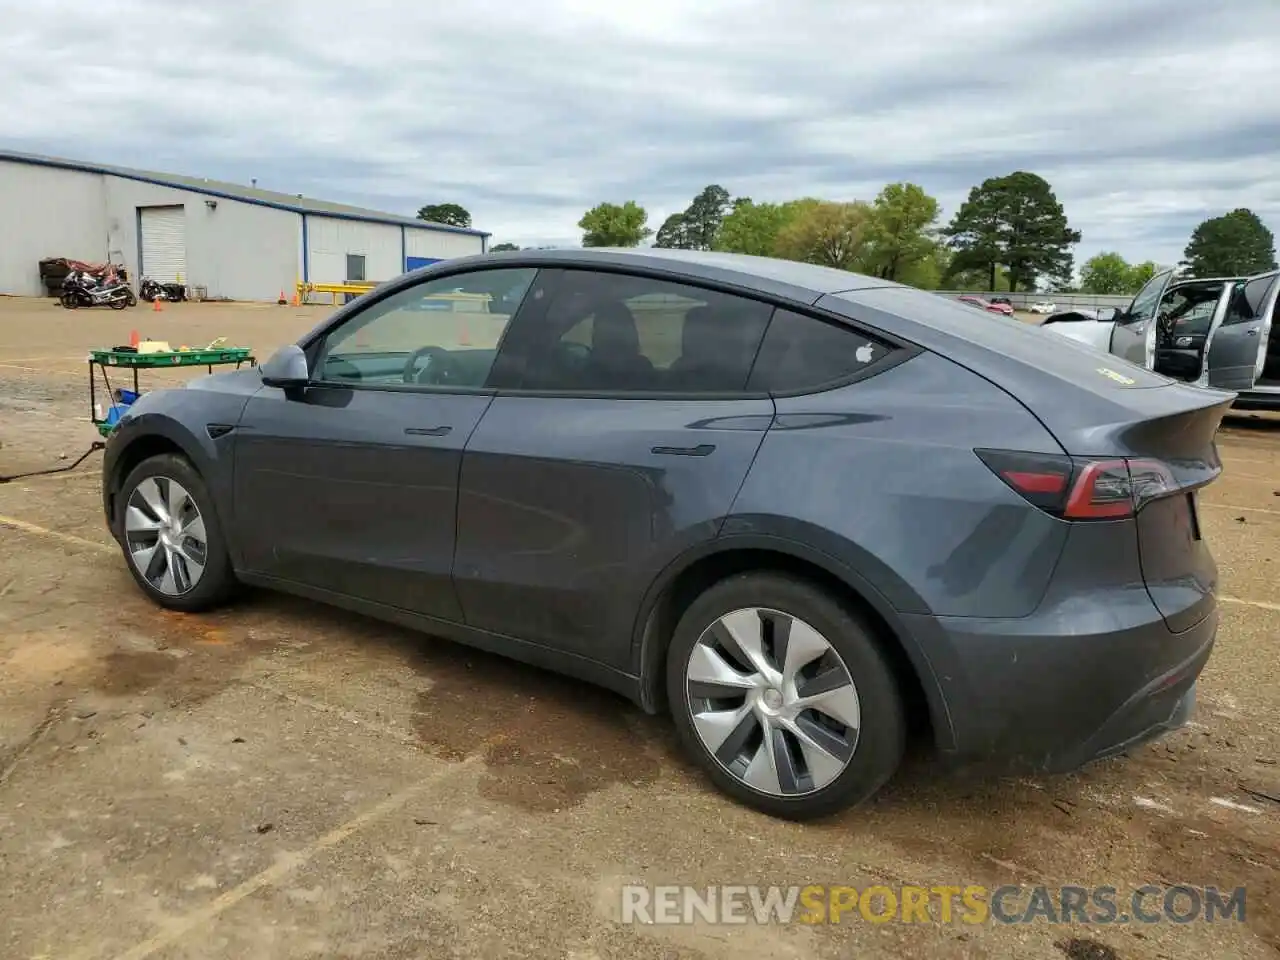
x: 801, y: 353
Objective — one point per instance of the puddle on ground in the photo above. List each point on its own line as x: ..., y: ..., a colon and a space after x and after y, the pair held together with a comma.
x: 548, y: 741
x: 192, y: 656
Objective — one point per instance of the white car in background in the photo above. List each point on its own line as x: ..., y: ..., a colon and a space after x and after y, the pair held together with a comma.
x: 1044, y: 306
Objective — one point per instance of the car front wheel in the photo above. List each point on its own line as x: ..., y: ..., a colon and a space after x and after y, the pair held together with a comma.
x: 782, y: 695
x: 170, y: 535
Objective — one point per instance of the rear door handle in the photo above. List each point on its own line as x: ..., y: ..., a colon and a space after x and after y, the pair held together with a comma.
x: 701, y: 450
x: 441, y: 431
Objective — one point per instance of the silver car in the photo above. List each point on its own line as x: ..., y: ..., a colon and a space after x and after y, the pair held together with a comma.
x: 1218, y: 332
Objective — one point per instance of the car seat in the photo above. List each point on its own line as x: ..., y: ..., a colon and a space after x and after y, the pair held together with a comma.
x: 713, y: 356
x: 616, y: 360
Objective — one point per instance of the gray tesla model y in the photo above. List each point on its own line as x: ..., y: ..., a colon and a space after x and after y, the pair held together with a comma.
x: 807, y: 512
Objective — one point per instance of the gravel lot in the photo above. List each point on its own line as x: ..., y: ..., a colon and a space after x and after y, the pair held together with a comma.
x: 282, y: 780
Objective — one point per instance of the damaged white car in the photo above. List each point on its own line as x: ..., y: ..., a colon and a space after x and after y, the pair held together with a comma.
x: 1218, y: 332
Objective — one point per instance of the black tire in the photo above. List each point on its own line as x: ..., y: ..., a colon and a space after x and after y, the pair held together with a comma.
x: 218, y: 581
x: 70, y: 301
x: 881, y: 738
x: 118, y: 303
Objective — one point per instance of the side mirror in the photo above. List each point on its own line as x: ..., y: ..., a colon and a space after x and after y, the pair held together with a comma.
x: 287, y: 368
x: 1109, y: 313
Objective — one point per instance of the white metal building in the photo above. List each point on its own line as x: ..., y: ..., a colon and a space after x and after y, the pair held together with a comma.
x: 234, y: 241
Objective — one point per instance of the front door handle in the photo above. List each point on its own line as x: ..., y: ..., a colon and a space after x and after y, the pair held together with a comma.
x: 701, y: 450
x: 441, y: 431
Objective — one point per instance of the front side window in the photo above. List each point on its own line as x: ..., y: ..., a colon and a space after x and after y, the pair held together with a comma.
x: 1146, y: 302
x: 1188, y: 311
x: 615, y: 333
x: 441, y: 333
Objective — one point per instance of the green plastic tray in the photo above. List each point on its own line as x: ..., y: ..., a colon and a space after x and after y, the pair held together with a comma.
x: 175, y: 358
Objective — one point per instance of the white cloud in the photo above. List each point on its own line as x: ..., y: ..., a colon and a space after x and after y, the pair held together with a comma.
x: 1145, y: 116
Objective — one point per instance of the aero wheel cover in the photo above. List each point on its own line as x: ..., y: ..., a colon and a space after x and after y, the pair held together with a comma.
x: 773, y: 702
x: 165, y: 536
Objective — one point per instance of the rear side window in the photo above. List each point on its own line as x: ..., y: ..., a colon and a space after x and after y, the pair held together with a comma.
x: 616, y: 333
x: 802, y: 353
x: 1247, y: 300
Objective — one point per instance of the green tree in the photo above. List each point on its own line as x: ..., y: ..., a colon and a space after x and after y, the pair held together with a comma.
x: 1140, y: 273
x: 449, y: 214
x: 975, y: 280
x: 830, y: 234
x: 902, y: 216
x: 705, y: 215
x: 928, y: 271
x: 615, y: 225
x: 1236, y: 244
x: 1106, y: 273
x: 753, y: 228
x: 499, y: 247
x: 1015, y: 221
x: 673, y: 234
x: 698, y: 225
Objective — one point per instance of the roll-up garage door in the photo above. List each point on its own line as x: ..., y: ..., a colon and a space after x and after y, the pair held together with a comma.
x: 164, y: 243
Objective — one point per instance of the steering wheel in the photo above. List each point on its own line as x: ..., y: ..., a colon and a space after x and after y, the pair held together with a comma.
x: 436, y: 357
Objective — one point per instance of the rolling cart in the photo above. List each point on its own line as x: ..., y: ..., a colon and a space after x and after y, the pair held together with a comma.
x: 100, y: 361
x: 120, y: 398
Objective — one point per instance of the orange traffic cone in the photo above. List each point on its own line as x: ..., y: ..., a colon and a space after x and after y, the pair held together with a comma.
x: 283, y: 299
x: 464, y: 337
x: 297, y: 300
x: 134, y: 339
x: 155, y: 306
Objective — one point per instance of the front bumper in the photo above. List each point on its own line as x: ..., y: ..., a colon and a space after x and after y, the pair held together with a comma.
x: 1028, y: 695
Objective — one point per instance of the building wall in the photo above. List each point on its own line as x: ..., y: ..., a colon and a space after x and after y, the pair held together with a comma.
x: 237, y: 250
x: 437, y: 245
x: 47, y: 213
x: 329, y: 240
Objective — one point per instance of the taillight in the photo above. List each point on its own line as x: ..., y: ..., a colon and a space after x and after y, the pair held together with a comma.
x: 1079, y: 488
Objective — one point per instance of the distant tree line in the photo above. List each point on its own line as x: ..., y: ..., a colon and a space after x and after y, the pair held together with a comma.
x: 1010, y: 234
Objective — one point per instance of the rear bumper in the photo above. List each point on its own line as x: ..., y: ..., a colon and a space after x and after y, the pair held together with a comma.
x: 1055, y: 691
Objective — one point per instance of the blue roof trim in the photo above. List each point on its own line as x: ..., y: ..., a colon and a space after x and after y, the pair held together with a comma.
x: 224, y: 195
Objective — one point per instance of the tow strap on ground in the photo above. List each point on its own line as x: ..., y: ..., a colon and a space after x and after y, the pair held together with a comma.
x: 93, y: 448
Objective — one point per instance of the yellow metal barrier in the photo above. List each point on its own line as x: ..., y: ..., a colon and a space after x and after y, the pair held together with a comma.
x: 336, y: 289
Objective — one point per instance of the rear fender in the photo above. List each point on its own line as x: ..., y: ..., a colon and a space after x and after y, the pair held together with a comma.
x: 756, y: 534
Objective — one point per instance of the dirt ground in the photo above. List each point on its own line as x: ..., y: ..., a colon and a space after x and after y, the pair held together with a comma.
x: 282, y: 780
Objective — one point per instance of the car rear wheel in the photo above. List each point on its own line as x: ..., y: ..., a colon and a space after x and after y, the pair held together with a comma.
x: 783, y: 697
x: 170, y: 535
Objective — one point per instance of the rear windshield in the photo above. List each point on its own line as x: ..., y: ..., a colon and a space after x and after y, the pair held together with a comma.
x: 1055, y: 354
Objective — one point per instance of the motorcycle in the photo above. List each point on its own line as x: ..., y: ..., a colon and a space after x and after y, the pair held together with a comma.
x: 82, y: 289
x: 151, y: 290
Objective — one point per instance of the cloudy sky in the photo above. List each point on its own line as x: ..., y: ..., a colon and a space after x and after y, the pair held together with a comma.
x: 1145, y: 115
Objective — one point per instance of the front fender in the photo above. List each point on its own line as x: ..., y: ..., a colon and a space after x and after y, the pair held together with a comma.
x: 198, y: 423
